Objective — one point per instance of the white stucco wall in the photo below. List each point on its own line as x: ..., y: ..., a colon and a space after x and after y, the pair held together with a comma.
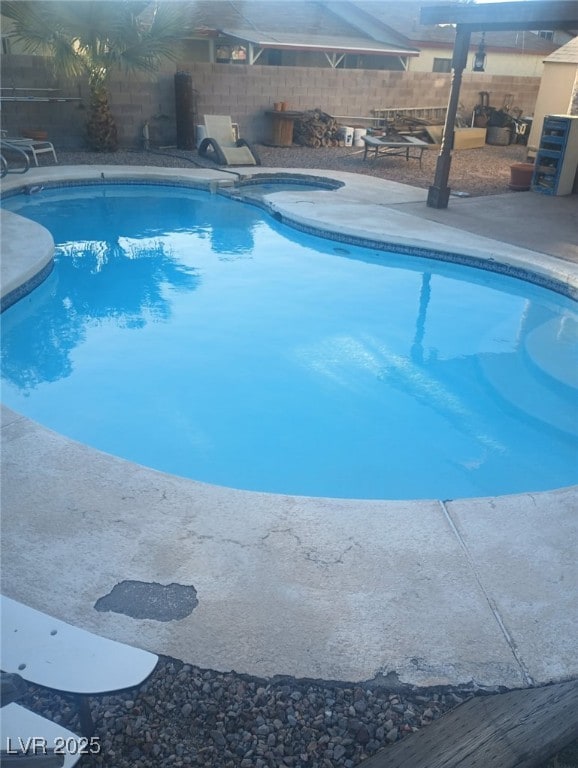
x: 553, y: 97
x: 497, y: 63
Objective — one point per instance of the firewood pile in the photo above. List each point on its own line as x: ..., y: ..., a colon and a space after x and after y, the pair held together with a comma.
x: 396, y: 128
x: 395, y: 124
x: 316, y: 128
x: 401, y: 123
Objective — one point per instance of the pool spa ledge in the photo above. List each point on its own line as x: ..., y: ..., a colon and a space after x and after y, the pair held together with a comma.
x: 477, y: 592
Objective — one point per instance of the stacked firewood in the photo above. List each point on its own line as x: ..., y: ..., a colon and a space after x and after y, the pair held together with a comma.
x: 316, y: 128
x: 418, y: 126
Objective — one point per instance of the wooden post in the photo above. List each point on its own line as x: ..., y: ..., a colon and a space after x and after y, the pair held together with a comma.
x: 439, y: 192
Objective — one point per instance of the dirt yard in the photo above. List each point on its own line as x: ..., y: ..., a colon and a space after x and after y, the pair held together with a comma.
x: 484, y: 171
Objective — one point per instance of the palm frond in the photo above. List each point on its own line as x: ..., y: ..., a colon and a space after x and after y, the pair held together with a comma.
x: 33, y: 25
x: 155, y: 39
x: 93, y: 37
x: 40, y: 29
x: 133, y: 34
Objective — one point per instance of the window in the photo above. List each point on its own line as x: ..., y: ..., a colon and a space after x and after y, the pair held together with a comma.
x: 442, y: 65
x: 6, y: 45
x: 239, y: 54
x: 223, y: 54
x: 231, y: 54
x: 546, y: 34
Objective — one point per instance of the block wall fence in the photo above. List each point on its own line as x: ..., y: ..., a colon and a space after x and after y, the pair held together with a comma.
x: 242, y: 91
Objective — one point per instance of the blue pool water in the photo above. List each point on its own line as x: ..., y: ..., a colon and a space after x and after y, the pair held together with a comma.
x: 196, y: 335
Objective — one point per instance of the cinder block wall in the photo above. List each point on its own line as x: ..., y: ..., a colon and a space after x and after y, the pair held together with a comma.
x: 244, y: 92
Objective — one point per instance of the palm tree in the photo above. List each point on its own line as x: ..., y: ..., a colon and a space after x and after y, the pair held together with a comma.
x: 91, y: 39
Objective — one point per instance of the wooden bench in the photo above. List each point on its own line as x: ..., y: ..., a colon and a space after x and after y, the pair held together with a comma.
x: 519, y: 729
x: 51, y: 653
x: 405, y: 148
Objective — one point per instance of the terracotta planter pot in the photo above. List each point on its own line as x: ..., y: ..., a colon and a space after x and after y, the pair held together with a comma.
x: 521, y: 176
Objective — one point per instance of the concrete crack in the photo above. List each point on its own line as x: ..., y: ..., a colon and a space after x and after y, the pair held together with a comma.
x: 281, y: 530
x: 493, y: 607
x: 311, y: 554
x: 314, y: 557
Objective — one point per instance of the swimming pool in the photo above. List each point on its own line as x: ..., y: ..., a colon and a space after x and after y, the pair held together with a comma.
x: 283, y: 362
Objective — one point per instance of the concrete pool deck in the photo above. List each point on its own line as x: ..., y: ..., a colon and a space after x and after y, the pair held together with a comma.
x: 479, y: 591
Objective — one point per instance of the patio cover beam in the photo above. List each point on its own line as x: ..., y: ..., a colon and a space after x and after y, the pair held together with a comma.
x: 553, y: 14
x: 543, y: 14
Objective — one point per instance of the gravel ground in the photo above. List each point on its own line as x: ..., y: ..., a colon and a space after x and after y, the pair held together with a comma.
x: 185, y: 716
x: 484, y: 171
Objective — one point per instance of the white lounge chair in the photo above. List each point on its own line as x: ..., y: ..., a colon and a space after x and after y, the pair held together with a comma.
x: 33, y: 147
x: 13, y: 159
x: 49, y: 652
x: 220, y: 143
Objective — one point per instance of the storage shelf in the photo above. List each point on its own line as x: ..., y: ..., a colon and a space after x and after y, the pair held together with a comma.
x: 557, y: 157
x: 549, y: 153
x: 547, y: 170
x: 553, y: 143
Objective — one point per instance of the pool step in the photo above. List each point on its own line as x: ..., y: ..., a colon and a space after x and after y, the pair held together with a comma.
x: 542, y: 399
x: 553, y: 348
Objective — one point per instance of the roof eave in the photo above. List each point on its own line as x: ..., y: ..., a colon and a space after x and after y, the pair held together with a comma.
x: 334, y: 48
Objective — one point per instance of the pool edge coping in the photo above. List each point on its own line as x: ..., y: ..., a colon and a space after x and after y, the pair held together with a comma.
x: 485, y: 253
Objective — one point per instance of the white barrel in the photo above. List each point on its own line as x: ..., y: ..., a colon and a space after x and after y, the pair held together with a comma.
x: 200, y: 133
x: 358, y: 134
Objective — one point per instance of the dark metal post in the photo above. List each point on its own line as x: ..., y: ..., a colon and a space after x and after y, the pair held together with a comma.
x: 184, y: 111
x: 84, y: 715
x: 439, y: 192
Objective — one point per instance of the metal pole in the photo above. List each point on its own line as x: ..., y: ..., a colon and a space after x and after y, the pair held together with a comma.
x: 439, y: 192
x: 184, y: 110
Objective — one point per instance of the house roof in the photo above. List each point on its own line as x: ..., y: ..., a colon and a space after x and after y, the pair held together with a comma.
x: 357, y: 26
x: 323, y: 42
x: 264, y: 16
x: 302, y: 25
x: 567, y: 54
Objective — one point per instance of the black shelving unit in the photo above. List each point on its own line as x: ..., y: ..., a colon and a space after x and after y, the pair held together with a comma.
x: 557, y: 158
